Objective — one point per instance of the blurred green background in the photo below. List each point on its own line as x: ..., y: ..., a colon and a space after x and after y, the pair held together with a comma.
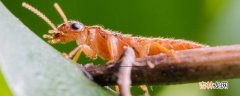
x: 211, y: 22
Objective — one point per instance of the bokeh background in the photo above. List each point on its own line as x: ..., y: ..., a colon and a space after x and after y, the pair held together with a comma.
x: 211, y: 22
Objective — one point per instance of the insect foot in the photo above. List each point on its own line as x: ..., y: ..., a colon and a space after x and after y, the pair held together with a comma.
x: 66, y: 55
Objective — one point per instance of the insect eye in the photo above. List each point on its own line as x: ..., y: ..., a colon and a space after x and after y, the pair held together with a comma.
x: 77, y: 26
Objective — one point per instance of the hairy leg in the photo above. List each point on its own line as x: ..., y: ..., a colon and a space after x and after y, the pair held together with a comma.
x: 154, y: 48
x: 115, y: 48
x: 76, y: 57
x: 72, y: 52
x: 143, y: 53
x: 112, y: 45
x: 164, y: 50
x: 78, y: 50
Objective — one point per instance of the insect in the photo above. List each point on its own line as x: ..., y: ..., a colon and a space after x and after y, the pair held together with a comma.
x: 96, y: 41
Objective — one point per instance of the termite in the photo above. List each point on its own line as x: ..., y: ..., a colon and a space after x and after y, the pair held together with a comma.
x: 96, y: 41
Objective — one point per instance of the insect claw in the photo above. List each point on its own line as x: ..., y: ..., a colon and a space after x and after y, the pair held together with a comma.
x: 52, y: 31
x: 50, y: 41
x: 53, y: 41
x: 47, y: 36
x: 66, y: 55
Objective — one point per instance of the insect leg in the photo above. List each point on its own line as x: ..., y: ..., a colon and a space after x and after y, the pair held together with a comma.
x: 89, y: 52
x: 145, y: 89
x: 78, y: 50
x: 76, y: 57
x: 117, y: 88
x: 113, y: 48
x: 165, y: 50
x: 143, y: 53
x: 72, y: 52
x: 162, y: 49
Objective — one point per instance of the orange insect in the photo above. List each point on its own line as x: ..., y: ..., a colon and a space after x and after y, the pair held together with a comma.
x: 96, y: 41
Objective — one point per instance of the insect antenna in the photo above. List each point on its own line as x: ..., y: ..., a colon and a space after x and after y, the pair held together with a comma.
x: 39, y: 13
x: 60, y: 11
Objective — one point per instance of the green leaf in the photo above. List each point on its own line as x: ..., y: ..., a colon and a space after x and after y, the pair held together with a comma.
x: 33, y: 68
x: 4, y: 89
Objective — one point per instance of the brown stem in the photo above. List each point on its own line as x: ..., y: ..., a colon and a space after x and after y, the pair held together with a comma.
x: 202, y: 64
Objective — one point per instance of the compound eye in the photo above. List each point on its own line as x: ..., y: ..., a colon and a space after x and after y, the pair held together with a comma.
x: 77, y: 26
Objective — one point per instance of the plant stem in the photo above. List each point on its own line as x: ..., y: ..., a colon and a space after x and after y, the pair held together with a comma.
x: 202, y: 64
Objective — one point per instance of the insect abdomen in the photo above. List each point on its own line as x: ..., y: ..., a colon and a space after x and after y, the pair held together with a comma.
x: 178, y: 44
x: 150, y: 46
